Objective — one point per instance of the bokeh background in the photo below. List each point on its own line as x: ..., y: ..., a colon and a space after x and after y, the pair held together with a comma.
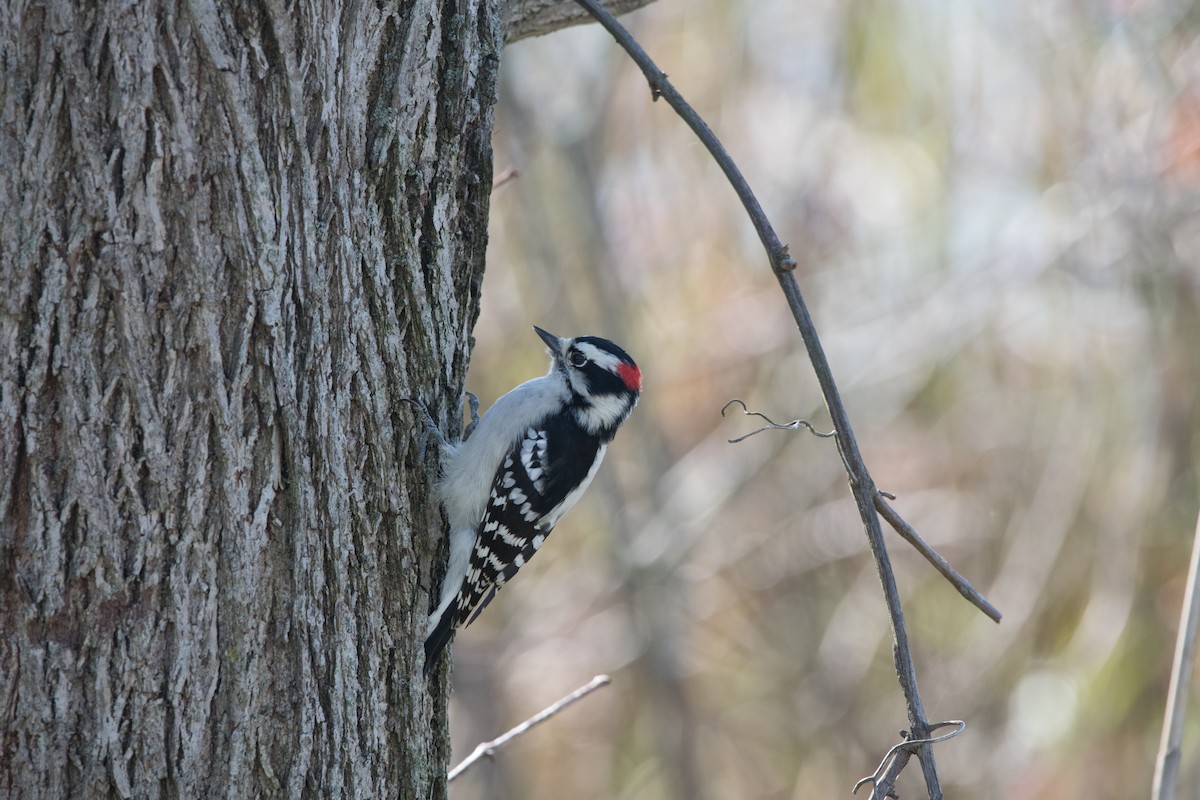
x: 995, y: 208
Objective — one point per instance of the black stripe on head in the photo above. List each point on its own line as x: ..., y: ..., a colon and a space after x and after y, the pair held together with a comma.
x: 605, y: 367
x: 605, y: 344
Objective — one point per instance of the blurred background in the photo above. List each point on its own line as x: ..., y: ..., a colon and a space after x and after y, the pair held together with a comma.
x: 995, y: 208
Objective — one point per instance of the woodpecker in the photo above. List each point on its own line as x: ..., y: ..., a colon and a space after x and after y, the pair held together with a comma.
x: 526, y: 463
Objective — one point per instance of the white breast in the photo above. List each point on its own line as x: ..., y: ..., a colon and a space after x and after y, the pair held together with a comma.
x: 469, y: 468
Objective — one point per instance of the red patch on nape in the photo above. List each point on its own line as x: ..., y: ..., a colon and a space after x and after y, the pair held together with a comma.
x: 631, y: 375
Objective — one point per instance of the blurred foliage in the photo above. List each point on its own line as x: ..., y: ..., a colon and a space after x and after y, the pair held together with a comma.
x: 996, y: 211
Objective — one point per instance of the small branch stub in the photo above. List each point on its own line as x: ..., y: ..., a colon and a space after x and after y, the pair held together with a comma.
x: 784, y: 260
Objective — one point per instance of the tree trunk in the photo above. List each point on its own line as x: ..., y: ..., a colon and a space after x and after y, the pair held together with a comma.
x: 233, y: 235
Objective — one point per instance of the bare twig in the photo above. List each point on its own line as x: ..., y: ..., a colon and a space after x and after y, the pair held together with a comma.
x: 772, y: 425
x: 782, y: 266
x: 884, y: 777
x: 488, y: 749
x: 910, y: 535
x: 1166, y: 769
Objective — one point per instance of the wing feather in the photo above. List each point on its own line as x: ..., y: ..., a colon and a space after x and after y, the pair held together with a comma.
x: 540, y: 478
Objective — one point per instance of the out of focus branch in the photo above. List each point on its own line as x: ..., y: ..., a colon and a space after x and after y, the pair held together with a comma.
x: 1166, y: 769
x: 504, y: 177
x: 861, y: 483
x: 488, y: 749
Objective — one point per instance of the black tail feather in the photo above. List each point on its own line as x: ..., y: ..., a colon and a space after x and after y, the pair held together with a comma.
x: 438, y: 638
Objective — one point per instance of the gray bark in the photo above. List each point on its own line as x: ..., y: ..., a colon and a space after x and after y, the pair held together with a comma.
x: 232, y: 235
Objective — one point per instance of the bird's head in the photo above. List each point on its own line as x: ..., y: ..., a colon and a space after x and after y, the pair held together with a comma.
x: 604, y: 382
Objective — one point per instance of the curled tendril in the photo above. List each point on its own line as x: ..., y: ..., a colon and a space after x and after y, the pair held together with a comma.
x: 772, y: 425
x: 912, y: 744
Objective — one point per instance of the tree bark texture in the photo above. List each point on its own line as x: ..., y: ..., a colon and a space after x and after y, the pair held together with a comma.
x: 232, y: 236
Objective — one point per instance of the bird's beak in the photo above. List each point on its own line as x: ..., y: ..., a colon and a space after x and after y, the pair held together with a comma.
x: 552, y: 341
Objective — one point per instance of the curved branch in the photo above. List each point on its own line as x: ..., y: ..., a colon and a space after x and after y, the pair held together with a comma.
x: 782, y: 265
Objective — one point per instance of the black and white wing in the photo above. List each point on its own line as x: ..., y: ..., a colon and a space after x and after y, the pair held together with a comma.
x: 538, y: 481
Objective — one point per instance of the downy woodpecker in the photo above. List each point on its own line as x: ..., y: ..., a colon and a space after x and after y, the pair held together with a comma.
x: 525, y: 464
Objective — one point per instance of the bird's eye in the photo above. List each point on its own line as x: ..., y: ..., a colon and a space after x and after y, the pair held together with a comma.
x: 576, y: 358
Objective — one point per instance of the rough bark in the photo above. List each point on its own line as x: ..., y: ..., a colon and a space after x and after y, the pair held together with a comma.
x: 232, y: 235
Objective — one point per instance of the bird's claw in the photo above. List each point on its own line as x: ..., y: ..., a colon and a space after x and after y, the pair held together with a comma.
x: 431, y: 427
x: 473, y: 402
